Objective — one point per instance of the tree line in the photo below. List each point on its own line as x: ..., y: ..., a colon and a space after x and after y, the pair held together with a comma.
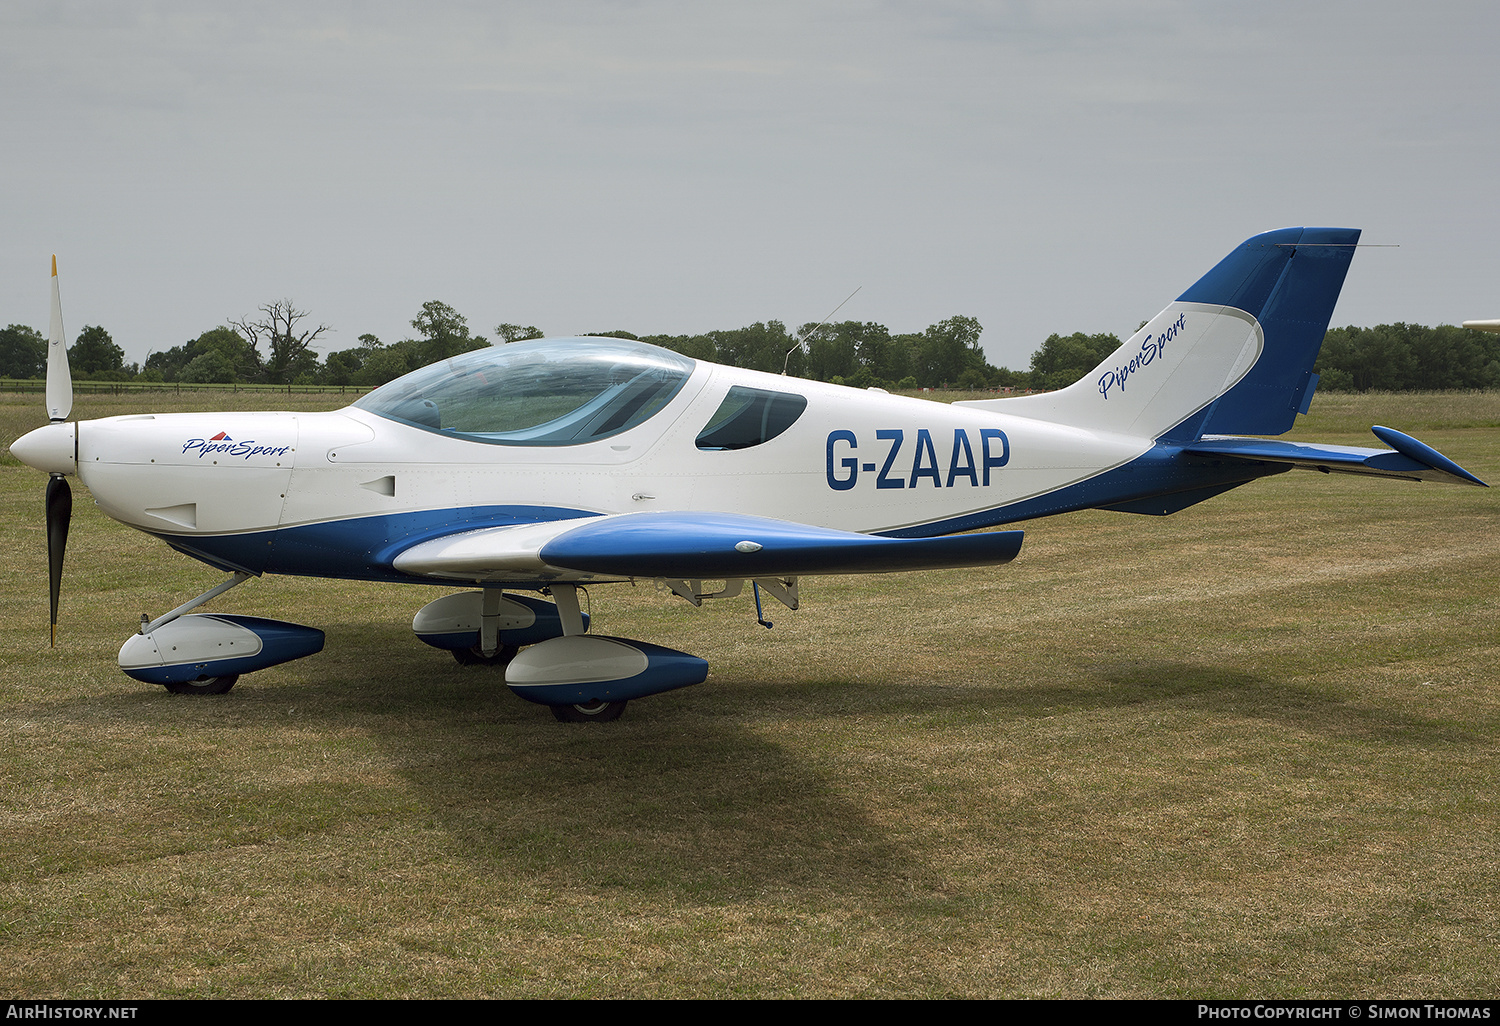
x: 277, y: 347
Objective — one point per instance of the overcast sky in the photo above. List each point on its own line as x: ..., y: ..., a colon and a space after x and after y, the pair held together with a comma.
x: 685, y: 166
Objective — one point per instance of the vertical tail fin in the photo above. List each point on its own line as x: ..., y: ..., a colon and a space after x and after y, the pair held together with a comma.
x: 1233, y: 354
x: 1289, y: 281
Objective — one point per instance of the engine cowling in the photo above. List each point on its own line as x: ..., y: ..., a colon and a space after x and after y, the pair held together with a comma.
x: 201, y: 646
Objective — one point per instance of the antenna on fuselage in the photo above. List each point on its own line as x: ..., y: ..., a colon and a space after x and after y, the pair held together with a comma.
x: 786, y: 360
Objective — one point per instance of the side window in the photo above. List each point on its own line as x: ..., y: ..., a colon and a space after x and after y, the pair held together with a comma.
x: 750, y: 416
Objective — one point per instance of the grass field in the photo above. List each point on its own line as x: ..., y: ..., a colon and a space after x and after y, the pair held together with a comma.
x: 1246, y: 750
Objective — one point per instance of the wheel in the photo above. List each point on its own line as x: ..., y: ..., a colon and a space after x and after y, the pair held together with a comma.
x: 474, y: 657
x: 591, y: 712
x: 211, y: 686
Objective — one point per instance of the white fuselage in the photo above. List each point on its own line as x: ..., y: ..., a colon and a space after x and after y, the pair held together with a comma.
x: 856, y: 460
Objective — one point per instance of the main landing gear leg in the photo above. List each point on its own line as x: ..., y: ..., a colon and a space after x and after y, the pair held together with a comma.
x: 568, y: 610
x: 489, y: 651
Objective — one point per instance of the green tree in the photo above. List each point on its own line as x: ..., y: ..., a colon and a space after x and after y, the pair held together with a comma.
x: 947, y: 349
x: 166, y: 364
x: 95, y: 353
x: 508, y: 333
x: 887, y: 356
x: 340, y: 368
x: 237, y: 351
x: 445, y: 334
x: 1004, y: 377
x: 1378, y: 358
x: 23, y: 352
x: 1063, y: 359
x: 387, y: 363
x: 832, y: 351
x: 343, y: 367
x: 1451, y: 357
x: 697, y: 347
x: 210, y: 366
x: 240, y: 353
x: 762, y: 346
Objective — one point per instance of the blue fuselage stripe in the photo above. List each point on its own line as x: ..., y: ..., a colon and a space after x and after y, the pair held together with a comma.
x: 364, y: 548
x: 356, y: 549
x: 1164, y: 469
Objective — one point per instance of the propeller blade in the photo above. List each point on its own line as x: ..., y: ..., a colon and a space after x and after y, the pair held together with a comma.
x: 59, y: 512
x: 59, y: 379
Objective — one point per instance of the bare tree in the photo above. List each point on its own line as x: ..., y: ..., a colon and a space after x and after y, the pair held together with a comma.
x: 288, y: 342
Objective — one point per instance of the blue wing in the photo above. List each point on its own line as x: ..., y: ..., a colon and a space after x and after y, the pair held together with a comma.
x: 733, y: 545
x: 690, y: 545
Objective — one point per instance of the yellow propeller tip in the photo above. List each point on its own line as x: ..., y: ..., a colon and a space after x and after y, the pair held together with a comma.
x: 54, y: 265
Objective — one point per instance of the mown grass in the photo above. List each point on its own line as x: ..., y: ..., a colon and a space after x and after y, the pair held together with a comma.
x: 1246, y: 750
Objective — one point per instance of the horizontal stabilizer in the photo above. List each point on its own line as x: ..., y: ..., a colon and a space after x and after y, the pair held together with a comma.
x: 689, y: 545
x: 1408, y: 458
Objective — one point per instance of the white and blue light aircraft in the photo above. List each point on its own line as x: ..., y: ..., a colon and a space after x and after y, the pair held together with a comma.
x: 535, y: 468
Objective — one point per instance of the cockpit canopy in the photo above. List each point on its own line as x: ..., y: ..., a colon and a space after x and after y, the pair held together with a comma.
x: 565, y: 391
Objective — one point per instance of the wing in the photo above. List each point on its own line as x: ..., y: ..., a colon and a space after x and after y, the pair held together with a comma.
x: 689, y: 545
x: 1407, y: 458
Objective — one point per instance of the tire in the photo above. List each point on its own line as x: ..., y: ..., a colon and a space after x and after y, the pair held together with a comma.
x: 211, y: 686
x: 474, y: 657
x: 590, y: 712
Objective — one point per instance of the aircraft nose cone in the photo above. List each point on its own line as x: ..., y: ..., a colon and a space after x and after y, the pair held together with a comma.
x: 51, y: 448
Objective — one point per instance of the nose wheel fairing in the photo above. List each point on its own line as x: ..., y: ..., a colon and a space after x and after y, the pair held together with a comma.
x: 202, y: 647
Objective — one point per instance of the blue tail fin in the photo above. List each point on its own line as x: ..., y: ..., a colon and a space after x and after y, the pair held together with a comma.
x: 1232, y: 355
x: 1289, y: 281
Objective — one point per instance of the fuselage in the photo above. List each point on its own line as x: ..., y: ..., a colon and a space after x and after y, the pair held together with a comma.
x: 340, y: 494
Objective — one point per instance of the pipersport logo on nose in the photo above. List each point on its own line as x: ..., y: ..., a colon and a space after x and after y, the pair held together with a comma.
x: 224, y: 445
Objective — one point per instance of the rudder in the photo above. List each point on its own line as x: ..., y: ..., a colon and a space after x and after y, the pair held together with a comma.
x: 1289, y: 280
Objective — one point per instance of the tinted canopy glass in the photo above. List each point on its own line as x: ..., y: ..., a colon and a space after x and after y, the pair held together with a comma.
x: 547, y: 392
x: 750, y: 416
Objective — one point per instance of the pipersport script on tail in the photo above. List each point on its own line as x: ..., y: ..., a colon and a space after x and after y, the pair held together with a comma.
x: 1151, y: 348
